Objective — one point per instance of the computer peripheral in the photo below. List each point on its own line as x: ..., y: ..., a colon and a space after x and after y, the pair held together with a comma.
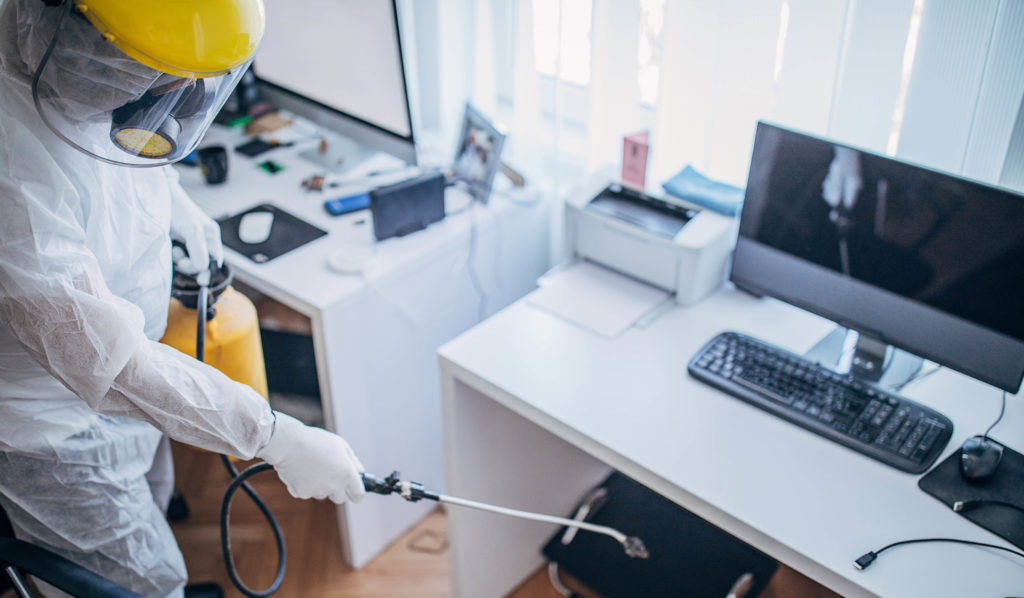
x: 255, y: 227
x: 979, y: 458
x: 856, y: 414
x: 911, y: 263
x: 916, y: 259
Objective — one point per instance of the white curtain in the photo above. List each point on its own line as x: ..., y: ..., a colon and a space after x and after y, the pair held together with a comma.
x: 932, y: 81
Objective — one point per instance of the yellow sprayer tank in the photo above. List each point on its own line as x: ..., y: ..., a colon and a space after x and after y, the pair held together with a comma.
x: 232, y: 343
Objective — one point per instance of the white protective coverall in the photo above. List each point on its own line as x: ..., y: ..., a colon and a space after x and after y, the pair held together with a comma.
x: 85, y: 388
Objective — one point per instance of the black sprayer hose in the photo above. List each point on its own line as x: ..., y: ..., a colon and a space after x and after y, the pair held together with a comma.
x: 239, y: 479
x: 225, y: 536
x: 202, y: 304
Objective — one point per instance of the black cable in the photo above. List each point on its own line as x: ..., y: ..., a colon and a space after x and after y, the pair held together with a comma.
x: 920, y: 375
x: 866, y: 559
x: 225, y: 535
x: 1002, y: 410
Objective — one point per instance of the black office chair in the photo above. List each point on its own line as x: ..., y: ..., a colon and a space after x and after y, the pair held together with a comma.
x: 18, y: 559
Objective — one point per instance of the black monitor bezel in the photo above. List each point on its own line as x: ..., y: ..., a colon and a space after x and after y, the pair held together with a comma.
x: 985, y: 354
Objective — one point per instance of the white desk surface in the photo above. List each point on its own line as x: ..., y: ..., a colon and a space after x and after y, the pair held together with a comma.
x: 805, y: 500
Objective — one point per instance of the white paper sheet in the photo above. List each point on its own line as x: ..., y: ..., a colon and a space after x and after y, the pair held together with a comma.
x: 597, y: 298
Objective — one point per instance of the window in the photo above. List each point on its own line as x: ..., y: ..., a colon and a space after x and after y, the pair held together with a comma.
x: 652, y: 19
x: 561, y: 39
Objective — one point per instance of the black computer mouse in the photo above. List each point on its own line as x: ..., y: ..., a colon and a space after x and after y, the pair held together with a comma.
x: 979, y: 457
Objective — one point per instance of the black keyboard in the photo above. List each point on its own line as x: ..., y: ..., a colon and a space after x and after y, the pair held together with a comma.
x: 861, y: 416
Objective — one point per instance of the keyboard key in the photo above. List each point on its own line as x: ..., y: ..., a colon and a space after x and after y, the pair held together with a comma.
x: 833, y: 405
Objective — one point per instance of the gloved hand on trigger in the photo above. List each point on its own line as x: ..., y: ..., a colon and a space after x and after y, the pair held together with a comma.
x: 312, y: 462
x: 199, y: 233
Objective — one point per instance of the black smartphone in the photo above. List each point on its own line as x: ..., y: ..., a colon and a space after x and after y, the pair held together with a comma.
x: 254, y: 147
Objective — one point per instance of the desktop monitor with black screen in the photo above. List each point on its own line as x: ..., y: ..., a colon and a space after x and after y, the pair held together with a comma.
x: 930, y: 263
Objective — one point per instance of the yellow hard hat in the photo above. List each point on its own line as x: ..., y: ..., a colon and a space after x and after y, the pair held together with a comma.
x: 145, y: 90
x: 197, y: 38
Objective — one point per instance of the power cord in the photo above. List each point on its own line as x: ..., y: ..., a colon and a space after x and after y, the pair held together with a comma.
x: 920, y: 375
x: 959, y: 506
x: 869, y: 557
x: 471, y: 269
x: 1002, y: 411
x: 474, y: 278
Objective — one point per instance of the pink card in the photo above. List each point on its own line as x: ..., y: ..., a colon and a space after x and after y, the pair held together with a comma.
x: 634, y: 158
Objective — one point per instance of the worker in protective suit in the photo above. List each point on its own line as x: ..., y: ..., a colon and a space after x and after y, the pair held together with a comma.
x: 86, y: 391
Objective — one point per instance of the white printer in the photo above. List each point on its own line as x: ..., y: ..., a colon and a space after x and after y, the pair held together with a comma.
x: 660, y: 240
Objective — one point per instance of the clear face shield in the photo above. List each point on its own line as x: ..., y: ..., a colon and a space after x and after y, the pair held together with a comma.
x: 113, y: 107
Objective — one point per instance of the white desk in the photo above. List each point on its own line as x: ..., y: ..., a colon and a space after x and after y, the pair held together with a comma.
x: 538, y: 410
x: 375, y: 334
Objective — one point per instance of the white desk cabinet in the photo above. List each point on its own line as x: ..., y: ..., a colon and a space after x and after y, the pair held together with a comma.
x: 375, y: 334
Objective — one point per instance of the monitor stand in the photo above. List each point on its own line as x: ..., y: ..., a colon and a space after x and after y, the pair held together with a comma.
x: 849, y: 352
x: 337, y: 154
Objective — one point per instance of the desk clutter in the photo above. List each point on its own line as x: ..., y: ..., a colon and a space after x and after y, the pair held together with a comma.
x: 995, y: 503
x: 266, y: 232
x: 407, y: 206
x: 694, y: 187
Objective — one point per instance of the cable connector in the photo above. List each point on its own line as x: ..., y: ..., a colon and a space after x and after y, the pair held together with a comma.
x: 865, y: 561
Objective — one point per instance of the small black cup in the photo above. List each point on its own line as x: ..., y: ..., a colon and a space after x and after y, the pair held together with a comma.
x: 213, y: 161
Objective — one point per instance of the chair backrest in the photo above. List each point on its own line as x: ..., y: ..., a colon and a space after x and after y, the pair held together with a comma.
x: 54, y: 569
x: 5, y: 531
x: 5, y: 524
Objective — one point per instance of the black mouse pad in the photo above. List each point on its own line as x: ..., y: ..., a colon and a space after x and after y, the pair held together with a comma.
x: 288, y: 232
x: 688, y: 556
x: 945, y: 483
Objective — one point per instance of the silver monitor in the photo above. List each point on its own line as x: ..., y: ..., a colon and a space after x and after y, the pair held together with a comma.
x: 339, y: 63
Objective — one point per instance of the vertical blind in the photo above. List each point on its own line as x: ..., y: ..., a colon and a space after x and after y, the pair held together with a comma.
x: 937, y: 82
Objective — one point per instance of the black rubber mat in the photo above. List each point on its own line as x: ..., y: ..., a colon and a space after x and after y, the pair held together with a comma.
x: 945, y: 483
x: 288, y: 232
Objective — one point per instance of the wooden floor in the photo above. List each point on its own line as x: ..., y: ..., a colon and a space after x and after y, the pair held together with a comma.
x: 417, y: 565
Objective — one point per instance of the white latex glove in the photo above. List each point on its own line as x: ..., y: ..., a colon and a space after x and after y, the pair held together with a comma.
x: 312, y: 462
x: 199, y: 233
